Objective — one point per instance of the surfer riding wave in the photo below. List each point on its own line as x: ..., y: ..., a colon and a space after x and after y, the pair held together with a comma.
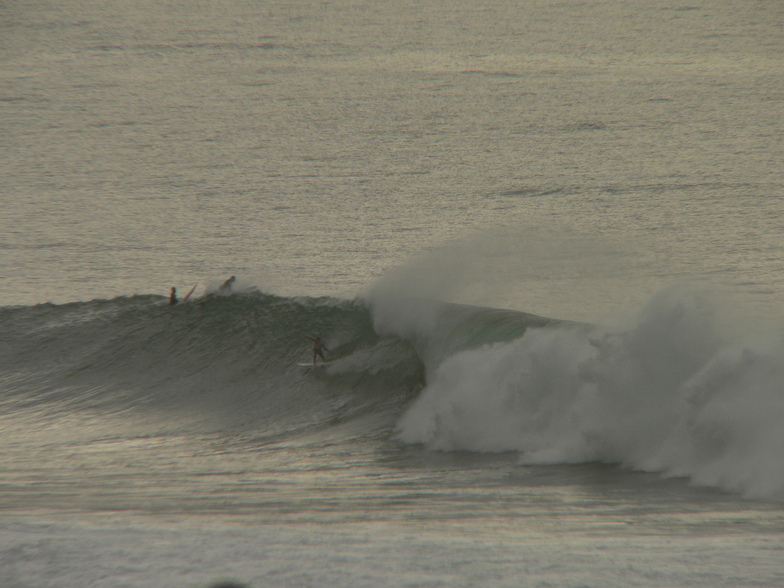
x: 318, y: 350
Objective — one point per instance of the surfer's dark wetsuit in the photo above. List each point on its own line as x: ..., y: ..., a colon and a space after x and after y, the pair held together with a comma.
x: 173, y: 297
x: 318, y: 350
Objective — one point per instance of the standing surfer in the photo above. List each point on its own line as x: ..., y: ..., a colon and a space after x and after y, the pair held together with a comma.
x: 318, y: 350
x: 173, y: 296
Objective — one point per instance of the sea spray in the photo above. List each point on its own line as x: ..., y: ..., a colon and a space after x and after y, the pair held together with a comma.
x: 510, y: 266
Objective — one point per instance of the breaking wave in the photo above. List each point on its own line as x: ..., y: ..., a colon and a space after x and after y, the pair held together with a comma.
x: 671, y: 391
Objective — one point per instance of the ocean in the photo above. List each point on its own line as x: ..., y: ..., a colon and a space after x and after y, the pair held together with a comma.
x: 542, y: 242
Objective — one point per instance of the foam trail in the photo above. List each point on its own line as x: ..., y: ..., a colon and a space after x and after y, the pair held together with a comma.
x: 672, y: 393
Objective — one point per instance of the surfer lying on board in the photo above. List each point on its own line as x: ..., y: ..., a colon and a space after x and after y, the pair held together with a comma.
x: 318, y: 349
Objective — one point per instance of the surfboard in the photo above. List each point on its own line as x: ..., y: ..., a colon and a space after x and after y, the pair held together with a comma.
x: 309, y: 364
x: 188, y: 295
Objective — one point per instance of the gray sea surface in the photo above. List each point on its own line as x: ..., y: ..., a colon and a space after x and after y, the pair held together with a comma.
x: 568, y: 159
x: 314, y: 147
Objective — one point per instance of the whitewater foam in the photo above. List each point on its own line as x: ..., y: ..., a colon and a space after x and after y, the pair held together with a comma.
x: 671, y: 393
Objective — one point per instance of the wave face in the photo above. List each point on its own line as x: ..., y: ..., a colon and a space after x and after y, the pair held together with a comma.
x: 223, y: 364
x: 673, y: 391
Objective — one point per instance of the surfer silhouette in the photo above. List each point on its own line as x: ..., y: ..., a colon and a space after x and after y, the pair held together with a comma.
x: 318, y: 349
x: 226, y: 286
x: 173, y: 297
